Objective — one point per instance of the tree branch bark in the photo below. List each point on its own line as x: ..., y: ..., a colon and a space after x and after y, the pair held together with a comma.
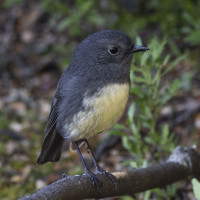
x: 182, y: 163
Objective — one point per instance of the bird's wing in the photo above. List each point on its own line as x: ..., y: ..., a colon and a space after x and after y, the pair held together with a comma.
x: 52, y: 117
x: 67, y: 86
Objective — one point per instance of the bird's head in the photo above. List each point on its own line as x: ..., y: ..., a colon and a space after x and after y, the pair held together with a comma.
x: 107, y: 47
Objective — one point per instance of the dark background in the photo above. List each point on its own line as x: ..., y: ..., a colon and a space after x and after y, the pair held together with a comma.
x: 37, y: 39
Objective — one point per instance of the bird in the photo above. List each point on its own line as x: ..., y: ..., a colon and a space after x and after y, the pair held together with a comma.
x: 90, y: 97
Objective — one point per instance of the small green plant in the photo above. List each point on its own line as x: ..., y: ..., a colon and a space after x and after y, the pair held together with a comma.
x: 150, y: 91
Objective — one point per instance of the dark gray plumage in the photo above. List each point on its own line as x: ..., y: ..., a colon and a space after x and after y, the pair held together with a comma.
x: 91, y: 94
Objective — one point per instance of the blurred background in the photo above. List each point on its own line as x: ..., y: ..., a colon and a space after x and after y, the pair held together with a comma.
x: 37, y: 39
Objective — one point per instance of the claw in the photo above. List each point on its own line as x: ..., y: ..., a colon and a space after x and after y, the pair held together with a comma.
x: 95, y: 181
x: 64, y: 175
x: 108, y: 175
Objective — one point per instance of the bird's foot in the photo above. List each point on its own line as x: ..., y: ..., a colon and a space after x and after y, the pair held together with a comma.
x: 99, y: 170
x: 64, y: 175
x: 95, y: 181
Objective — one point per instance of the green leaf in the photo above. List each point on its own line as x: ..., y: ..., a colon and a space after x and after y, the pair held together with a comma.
x: 147, y: 195
x: 174, y: 86
x: 138, y: 41
x: 186, y: 78
x: 165, y: 134
x: 131, y: 112
x: 149, y: 140
x: 126, y: 143
x: 196, y: 188
x: 136, y: 90
x: 166, y: 59
x: 144, y: 58
x: 133, y: 164
x: 140, y: 79
x: 193, y: 38
x: 127, y: 198
x: 157, y: 48
x: 157, y: 78
x: 173, y: 64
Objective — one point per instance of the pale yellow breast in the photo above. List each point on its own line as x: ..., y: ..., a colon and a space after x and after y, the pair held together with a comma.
x: 102, y: 111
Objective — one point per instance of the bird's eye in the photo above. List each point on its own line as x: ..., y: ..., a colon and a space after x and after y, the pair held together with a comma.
x: 113, y: 50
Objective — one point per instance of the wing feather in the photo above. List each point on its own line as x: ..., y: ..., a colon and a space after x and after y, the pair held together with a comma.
x: 53, y: 116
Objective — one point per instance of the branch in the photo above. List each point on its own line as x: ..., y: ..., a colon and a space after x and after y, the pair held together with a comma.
x: 182, y: 163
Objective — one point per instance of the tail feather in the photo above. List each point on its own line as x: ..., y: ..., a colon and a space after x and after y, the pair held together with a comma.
x: 51, y: 148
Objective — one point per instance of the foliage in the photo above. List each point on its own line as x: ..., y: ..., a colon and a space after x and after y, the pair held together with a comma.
x: 151, y: 89
x: 150, y: 92
x: 162, y: 18
x: 196, y: 188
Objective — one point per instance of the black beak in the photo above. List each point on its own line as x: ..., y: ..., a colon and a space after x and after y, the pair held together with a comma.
x: 138, y: 49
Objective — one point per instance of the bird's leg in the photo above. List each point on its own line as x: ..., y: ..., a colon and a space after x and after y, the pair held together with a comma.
x: 98, y: 169
x: 95, y: 181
